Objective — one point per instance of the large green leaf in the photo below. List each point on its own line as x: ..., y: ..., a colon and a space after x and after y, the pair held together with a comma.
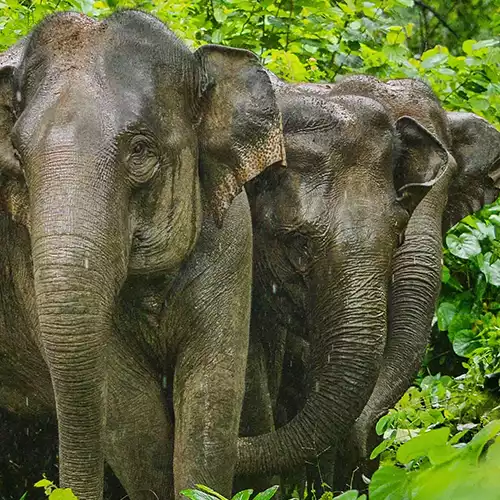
x: 195, y: 494
x: 386, y: 443
x: 464, y: 342
x: 480, y: 440
x: 62, y: 494
x: 445, y: 314
x: 465, y: 246
x: 419, y: 447
x: 389, y: 483
x: 460, y: 321
x: 243, y: 495
x: 491, y: 270
x: 267, y: 494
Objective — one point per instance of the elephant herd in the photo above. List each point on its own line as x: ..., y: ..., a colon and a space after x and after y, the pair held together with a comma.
x: 207, y: 273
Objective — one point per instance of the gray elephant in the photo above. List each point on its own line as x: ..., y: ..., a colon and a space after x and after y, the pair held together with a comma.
x: 338, y: 267
x: 325, y: 229
x: 126, y: 246
x: 475, y: 147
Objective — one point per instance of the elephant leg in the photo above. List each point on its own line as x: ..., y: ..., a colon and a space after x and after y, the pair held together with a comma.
x: 139, y: 431
x: 207, y: 407
x: 206, y: 321
x: 257, y: 414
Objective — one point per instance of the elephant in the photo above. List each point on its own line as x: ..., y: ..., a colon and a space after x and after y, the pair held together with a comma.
x: 325, y: 231
x: 475, y: 146
x: 291, y: 243
x: 126, y: 253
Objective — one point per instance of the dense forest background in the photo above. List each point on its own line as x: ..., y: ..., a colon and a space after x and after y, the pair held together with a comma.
x: 452, y: 46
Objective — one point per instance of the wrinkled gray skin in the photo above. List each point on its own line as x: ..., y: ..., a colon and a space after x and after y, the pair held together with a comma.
x: 325, y: 229
x: 126, y: 250
x: 475, y: 147
x: 304, y: 268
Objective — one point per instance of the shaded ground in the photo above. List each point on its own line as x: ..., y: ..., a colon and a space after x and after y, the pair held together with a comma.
x: 28, y: 449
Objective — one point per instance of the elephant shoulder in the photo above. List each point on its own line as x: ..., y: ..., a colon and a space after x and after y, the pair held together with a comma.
x: 217, y: 273
x: 221, y: 250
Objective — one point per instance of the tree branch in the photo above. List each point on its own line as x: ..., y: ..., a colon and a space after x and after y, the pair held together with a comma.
x: 248, y: 18
x: 437, y: 16
x: 288, y: 25
x: 453, y: 5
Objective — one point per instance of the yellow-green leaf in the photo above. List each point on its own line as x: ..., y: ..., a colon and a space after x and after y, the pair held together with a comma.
x: 43, y: 483
x: 468, y: 46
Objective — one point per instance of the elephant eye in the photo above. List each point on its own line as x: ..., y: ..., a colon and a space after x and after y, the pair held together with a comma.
x: 139, y: 148
x: 143, y: 159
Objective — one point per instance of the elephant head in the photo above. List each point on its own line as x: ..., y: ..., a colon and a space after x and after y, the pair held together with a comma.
x: 475, y: 147
x: 334, y: 217
x: 115, y: 141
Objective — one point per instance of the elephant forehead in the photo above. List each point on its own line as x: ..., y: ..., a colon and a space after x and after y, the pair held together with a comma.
x: 66, y: 39
x: 305, y: 112
x: 318, y: 130
x: 366, y: 114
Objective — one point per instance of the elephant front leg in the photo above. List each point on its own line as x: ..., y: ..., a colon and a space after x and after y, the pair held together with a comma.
x: 139, y: 430
x: 208, y: 320
x: 207, y: 403
x: 257, y: 415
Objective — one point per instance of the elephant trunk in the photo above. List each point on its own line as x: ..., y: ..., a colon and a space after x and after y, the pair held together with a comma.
x: 414, y: 291
x: 79, y: 264
x: 347, y: 324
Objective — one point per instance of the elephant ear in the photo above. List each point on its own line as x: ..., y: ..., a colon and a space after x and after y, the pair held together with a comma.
x: 476, y: 149
x: 11, y: 186
x: 420, y: 163
x: 240, y: 129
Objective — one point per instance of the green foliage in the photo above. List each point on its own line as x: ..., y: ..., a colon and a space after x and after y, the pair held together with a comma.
x: 52, y: 492
x: 434, y: 467
x: 205, y: 493
x: 469, y: 301
x: 468, y: 315
x: 449, y: 23
x: 312, y: 40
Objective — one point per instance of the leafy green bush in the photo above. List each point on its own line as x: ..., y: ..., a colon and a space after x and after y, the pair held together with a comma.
x: 434, y: 467
x: 52, y: 492
x: 431, y: 466
x: 468, y: 315
x: 205, y: 493
x: 470, y: 299
x: 460, y: 406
